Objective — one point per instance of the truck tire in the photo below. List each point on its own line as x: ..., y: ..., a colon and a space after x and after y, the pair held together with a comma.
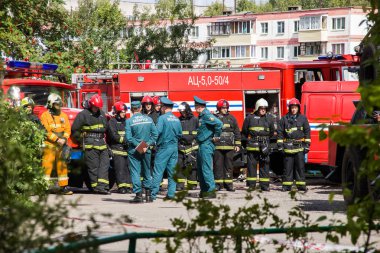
x: 351, y: 180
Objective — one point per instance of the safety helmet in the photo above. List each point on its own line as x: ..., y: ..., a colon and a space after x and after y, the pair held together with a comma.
x: 120, y: 106
x: 156, y: 100
x: 181, y: 107
x: 261, y: 103
x: 96, y: 101
x: 222, y: 103
x: 27, y: 101
x: 53, y: 99
x: 294, y: 101
x: 147, y: 99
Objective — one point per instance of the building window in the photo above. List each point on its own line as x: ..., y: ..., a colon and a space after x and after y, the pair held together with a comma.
x: 338, y: 48
x: 221, y: 52
x: 221, y: 28
x: 240, y: 51
x: 253, y: 51
x: 264, y: 53
x: 194, y: 32
x: 264, y: 28
x: 281, y: 27
x: 339, y: 23
x: 241, y: 27
x: 296, y: 51
x: 296, y: 26
x: 280, y: 52
x: 313, y: 48
x: 310, y: 23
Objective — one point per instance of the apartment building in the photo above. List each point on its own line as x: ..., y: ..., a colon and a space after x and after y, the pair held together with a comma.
x: 279, y: 36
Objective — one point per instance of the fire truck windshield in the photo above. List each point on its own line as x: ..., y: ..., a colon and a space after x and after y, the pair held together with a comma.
x: 40, y: 94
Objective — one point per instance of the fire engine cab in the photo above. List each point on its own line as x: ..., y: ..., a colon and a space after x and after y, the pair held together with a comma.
x: 277, y: 82
x: 37, y: 81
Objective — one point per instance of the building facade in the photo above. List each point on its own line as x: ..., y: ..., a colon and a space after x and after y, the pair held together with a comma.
x: 280, y: 36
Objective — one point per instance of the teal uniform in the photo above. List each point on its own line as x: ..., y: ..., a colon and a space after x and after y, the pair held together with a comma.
x: 209, y: 127
x: 140, y: 128
x: 169, y: 132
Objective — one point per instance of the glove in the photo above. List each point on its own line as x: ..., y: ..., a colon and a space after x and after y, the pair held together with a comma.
x: 264, y: 149
x: 280, y: 147
x: 306, y: 149
x: 66, y: 153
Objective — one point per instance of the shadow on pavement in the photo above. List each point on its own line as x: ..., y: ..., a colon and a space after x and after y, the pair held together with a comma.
x: 323, y: 206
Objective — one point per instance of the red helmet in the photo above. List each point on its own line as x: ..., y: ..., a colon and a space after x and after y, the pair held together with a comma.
x: 294, y: 101
x: 120, y: 106
x: 147, y: 99
x: 156, y: 100
x: 222, y: 103
x: 96, y: 101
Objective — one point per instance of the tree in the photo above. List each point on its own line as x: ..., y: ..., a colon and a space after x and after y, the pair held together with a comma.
x: 214, y: 9
x: 245, y: 5
x: 31, y: 26
x: 165, y: 40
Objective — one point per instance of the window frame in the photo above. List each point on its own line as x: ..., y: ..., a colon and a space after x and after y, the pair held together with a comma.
x: 280, y: 25
x: 266, y: 26
x: 334, y: 24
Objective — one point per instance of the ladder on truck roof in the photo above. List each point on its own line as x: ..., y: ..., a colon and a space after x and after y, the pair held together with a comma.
x: 172, y: 65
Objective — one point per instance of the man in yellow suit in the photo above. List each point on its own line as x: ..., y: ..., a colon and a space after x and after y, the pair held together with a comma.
x: 58, y: 131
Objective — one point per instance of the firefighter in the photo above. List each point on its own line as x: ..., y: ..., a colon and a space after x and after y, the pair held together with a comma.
x: 147, y: 108
x: 294, y: 141
x: 58, y: 131
x: 157, y: 105
x: 90, y: 127
x: 209, y: 130
x: 169, y: 132
x: 225, y: 148
x: 188, y: 148
x: 118, y: 144
x: 258, y: 128
x: 140, y: 128
x: 27, y: 105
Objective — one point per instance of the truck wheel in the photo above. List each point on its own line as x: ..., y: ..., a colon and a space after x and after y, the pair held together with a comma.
x: 351, y: 180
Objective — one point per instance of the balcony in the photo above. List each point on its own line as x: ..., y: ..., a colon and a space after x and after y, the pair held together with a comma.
x: 313, y: 29
x: 312, y: 35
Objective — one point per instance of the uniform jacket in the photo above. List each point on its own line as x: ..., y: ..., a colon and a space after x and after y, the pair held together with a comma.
x: 140, y: 128
x: 92, y: 128
x: 230, y: 136
x: 189, y: 133
x: 208, y: 127
x: 57, y: 126
x: 257, y: 129
x: 293, y: 132
x: 116, y: 136
x: 169, y: 130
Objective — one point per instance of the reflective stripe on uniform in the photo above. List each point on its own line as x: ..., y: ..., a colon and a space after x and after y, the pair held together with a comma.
x: 181, y: 180
x: 280, y: 141
x: 226, y: 125
x: 287, y: 183
x: 94, y: 184
x: 118, y: 152
x: 95, y: 147
x: 257, y: 129
x: 194, y: 132
x: 185, y: 132
x: 124, y: 185
x: 264, y: 179
x: 121, y: 139
x: 307, y: 140
x: 192, y: 182
x: 300, y: 183
x: 218, y: 181
x: 293, y: 129
x: 224, y: 147
x: 63, y: 178
x: 189, y: 150
x: 228, y: 181
x: 55, y: 125
x: 293, y: 151
x: 253, y: 149
x: 237, y: 142
x: 97, y: 126
x: 105, y: 181
x: 120, y: 132
x: 251, y: 178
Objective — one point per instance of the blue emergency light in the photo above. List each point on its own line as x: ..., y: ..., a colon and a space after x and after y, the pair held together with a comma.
x: 49, y: 66
x: 18, y: 64
x: 323, y: 57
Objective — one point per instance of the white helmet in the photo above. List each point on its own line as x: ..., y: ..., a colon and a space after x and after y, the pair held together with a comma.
x: 53, y: 99
x: 261, y: 103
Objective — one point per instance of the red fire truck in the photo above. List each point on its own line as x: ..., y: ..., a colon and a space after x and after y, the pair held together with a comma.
x: 277, y: 82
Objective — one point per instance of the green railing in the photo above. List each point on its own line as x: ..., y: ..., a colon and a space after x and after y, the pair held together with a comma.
x: 133, y: 237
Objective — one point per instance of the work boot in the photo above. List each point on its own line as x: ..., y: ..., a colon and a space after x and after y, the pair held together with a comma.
x: 148, y: 196
x: 101, y: 191
x: 208, y: 195
x: 129, y: 190
x: 286, y: 189
x: 229, y: 187
x: 138, y: 198
x: 179, y: 187
x: 122, y: 190
x: 265, y: 189
x: 65, y: 191
x: 168, y: 198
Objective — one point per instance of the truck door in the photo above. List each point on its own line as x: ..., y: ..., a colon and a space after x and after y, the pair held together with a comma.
x: 272, y: 96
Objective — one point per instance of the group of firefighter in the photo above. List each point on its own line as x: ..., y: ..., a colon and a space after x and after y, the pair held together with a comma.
x: 189, y: 149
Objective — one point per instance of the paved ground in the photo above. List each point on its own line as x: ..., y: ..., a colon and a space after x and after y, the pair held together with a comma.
x: 155, y: 216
